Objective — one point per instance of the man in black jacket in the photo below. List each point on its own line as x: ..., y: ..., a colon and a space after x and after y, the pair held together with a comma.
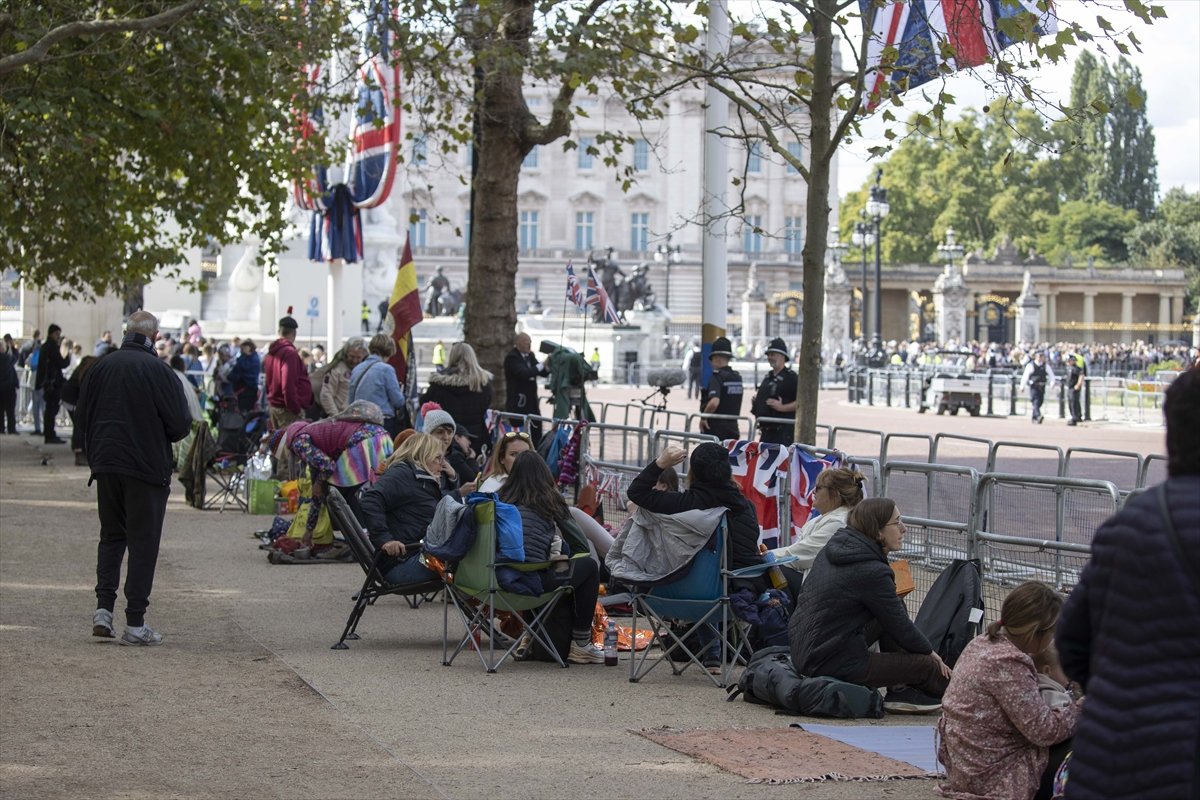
x: 49, y: 381
x: 132, y: 408
x: 521, y: 371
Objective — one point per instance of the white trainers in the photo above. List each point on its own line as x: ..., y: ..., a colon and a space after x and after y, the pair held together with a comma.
x: 102, y: 624
x: 140, y: 637
x: 587, y: 654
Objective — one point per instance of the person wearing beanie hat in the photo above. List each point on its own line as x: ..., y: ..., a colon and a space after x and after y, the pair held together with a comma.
x: 776, y: 397
x: 440, y: 424
x: 723, y: 395
x: 289, y: 390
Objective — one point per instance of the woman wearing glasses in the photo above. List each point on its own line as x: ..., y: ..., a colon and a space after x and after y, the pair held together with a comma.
x: 849, y: 601
x: 400, y: 506
x: 837, y: 492
x: 999, y: 738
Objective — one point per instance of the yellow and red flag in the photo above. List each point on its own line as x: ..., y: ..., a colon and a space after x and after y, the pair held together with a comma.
x: 404, y: 312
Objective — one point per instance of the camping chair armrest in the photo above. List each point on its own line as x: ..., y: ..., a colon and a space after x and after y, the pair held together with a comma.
x: 524, y: 566
x: 757, y: 570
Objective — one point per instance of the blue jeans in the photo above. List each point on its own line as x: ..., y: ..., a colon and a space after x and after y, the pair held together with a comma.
x: 411, y: 570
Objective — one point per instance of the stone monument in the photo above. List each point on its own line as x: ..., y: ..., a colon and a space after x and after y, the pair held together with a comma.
x: 836, y: 330
x: 1029, y: 312
x: 754, y: 310
x: 950, y: 301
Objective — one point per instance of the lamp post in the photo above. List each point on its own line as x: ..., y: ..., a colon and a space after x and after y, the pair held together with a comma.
x: 863, y: 237
x: 877, y: 209
x: 666, y: 255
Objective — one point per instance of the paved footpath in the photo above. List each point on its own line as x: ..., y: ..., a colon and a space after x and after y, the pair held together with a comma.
x: 245, y: 698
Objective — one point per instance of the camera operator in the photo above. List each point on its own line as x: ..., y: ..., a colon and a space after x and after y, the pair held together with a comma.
x: 776, y: 397
x: 723, y: 394
x: 521, y: 371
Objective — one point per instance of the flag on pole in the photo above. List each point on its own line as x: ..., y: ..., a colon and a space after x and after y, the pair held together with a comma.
x: 404, y: 312
x: 918, y: 29
x: 574, y: 289
x: 596, y: 295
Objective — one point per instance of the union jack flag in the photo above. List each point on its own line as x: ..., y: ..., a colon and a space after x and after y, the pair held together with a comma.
x: 758, y: 471
x: 575, y: 289
x: 597, y: 296
x: 918, y: 29
x: 804, y: 471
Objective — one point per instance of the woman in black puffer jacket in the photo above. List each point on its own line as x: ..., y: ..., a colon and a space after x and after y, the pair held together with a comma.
x: 400, y: 506
x: 544, y: 514
x: 710, y: 485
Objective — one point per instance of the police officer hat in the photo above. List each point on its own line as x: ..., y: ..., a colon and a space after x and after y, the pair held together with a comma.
x: 721, y: 347
x: 778, y: 346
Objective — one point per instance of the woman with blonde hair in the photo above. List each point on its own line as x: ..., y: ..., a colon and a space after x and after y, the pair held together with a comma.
x: 400, y: 506
x: 836, y: 493
x: 999, y: 738
x: 464, y: 391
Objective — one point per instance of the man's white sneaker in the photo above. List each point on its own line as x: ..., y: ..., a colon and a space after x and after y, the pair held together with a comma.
x: 586, y: 654
x: 102, y: 624
x: 140, y: 637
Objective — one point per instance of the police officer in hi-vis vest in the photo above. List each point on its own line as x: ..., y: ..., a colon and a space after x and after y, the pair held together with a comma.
x: 723, y: 394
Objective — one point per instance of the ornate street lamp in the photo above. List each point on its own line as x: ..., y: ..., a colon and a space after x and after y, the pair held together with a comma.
x: 877, y: 209
x: 950, y: 250
x: 864, y: 238
x: 667, y: 255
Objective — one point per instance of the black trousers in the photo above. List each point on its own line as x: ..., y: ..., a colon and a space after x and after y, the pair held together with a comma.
x: 8, y: 410
x: 1074, y: 397
x: 1037, y: 396
x: 53, y: 400
x: 131, y: 518
x: 776, y: 434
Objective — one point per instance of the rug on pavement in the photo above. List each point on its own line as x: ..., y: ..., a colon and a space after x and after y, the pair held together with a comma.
x: 782, y: 755
x: 913, y: 744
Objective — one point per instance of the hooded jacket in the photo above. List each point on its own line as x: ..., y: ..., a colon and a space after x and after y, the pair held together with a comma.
x: 743, y: 523
x: 132, y: 407
x: 849, y: 586
x: 449, y: 390
x: 653, y: 548
x: 287, y: 379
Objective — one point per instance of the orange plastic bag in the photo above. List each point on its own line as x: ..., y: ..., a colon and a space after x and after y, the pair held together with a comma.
x: 626, y: 638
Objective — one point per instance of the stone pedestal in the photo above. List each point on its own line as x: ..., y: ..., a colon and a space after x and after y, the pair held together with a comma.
x: 754, y: 313
x: 1029, y: 313
x: 836, y: 330
x: 382, y: 245
x: 950, y: 301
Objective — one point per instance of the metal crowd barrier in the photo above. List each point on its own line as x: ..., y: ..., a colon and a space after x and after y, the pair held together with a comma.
x: 743, y: 423
x: 845, y: 432
x: 1120, y: 467
x: 941, y: 440
x: 620, y: 444
x: 1154, y: 470
x: 994, y: 457
x: 923, y: 438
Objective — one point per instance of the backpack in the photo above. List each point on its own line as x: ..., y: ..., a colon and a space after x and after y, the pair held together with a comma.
x: 769, y: 679
x: 34, y: 357
x: 951, y: 614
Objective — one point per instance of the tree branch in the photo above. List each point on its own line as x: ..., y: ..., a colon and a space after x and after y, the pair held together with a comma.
x: 80, y: 29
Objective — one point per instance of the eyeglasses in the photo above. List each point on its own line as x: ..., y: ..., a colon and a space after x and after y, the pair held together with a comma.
x: 897, y: 522
x: 516, y: 435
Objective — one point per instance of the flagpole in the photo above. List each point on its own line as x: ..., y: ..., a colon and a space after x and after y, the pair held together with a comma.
x: 563, y: 331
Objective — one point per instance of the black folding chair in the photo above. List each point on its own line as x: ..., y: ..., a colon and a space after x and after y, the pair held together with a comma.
x: 374, y: 586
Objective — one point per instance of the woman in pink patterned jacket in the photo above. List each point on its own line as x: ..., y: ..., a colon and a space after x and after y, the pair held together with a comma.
x: 996, y: 730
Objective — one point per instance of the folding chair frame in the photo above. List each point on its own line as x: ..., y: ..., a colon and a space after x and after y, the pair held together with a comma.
x: 374, y: 586
x: 477, y: 606
x: 231, y: 485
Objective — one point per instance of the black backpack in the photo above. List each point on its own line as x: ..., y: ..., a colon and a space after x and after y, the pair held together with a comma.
x: 769, y: 679
x: 952, y: 613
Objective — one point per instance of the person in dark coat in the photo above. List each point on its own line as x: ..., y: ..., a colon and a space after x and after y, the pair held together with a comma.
x: 9, y: 383
x: 49, y: 381
x: 1130, y: 632
x: 848, y: 601
x: 462, y: 456
x: 243, y: 376
x: 532, y: 489
x: 400, y: 506
x: 131, y: 408
x: 464, y: 391
x: 521, y: 373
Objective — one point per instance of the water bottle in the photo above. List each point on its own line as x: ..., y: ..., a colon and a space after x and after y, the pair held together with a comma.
x: 610, y: 644
x: 774, y: 574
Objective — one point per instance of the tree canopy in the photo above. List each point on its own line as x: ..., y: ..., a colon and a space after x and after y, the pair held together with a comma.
x: 134, y: 131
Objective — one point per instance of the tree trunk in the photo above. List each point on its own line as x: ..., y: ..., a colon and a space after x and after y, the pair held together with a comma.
x: 817, y: 222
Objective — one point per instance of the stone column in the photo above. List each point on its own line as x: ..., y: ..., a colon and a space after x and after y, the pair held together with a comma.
x: 1089, y: 316
x: 754, y: 311
x: 1052, y: 317
x: 1127, y: 316
x: 1029, y: 312
x: 1177, y: 312
x: 950, y: 300
x: 836, y: 331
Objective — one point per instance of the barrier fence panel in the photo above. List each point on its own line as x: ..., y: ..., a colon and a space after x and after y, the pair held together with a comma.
x: 824, y: 432
x: 1021, y: 458
x: 518, y: 421
x: 612, y: 482
x: 655, y: 418
x: 619, y: 444
x: 743, y: 423
x: 860, y: 441
x: 914, y: 447
x: 872, y: 475
x: 937, y: 505
x: 953, y: 448
x: 620, y: 413
x: 1121, y: 467
x: 1042, y: 509
x: 1011, y: 560
x: 1154, y: 470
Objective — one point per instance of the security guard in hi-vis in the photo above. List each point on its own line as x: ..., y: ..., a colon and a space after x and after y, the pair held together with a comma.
x: 776, y: 397
x: 723, y: 394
